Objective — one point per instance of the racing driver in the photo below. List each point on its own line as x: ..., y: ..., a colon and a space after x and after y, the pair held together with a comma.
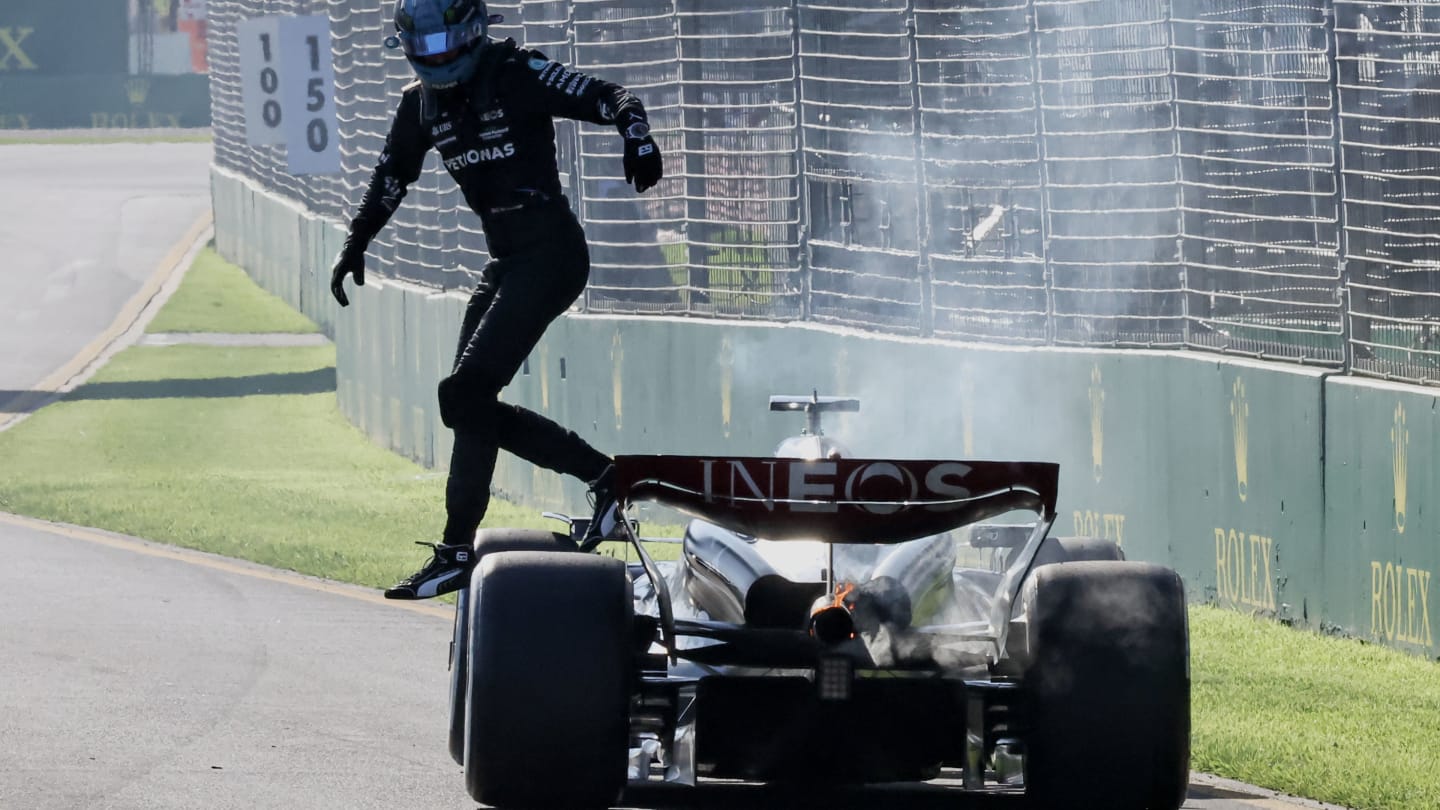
x: 487, y: 108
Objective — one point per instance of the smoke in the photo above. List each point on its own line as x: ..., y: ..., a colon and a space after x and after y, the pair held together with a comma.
x: 889, y: 648
x: 994, y: 233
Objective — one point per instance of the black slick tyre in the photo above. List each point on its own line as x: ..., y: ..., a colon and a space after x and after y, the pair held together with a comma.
x: 1076, y: 549
x: 1107, y: 685
x: 487, y: 541
x: 550, y: 653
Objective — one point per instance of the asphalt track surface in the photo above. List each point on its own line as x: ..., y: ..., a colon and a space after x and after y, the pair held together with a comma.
x: 82, y: 228
x: 134, y: 675
x: 141, y: 677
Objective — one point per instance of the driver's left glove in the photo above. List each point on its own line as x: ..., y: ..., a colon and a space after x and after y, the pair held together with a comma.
x: 350, y: 262
x: 643, y: 166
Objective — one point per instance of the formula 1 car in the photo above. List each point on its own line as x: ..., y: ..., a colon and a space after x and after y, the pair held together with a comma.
x: 829, y: 620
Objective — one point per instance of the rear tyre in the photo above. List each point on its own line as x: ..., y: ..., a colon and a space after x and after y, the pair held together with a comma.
x: 487, y: 541
x: 549, y: 681
x: 1107, y: 684
x: 1076, y: 549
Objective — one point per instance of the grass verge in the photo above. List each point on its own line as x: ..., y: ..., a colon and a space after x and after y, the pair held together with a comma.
x: 235, y: 450
x: 238, y: 451
x: 1332, y: 719
x: 217, y: 296
x: 242, y: 451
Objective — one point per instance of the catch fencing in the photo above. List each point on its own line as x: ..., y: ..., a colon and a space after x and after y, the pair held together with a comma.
x: 1254, y: 177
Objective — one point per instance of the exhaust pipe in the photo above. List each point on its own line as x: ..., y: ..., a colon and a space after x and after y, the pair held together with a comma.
x: 831, y: 623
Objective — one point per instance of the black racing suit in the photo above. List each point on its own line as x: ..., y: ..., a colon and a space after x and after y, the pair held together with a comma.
x: 497, y: 139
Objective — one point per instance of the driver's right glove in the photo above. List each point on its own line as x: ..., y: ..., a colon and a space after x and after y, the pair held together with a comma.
x: 642, y: 162
x: 350, y: 262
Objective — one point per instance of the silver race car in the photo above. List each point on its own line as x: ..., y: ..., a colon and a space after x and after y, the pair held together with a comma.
x: 828, y: 619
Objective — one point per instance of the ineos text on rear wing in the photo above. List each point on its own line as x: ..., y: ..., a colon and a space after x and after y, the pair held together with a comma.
x: 838, y: 500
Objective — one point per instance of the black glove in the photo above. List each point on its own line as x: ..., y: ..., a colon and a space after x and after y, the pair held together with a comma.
x: 350, y: 262
x: 642, y: 158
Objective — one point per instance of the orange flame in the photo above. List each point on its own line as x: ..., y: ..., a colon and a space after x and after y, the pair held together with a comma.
x: 841, y: 591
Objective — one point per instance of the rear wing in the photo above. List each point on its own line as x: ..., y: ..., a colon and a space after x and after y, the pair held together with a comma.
x: 813, y: 406
x: 844, y: 500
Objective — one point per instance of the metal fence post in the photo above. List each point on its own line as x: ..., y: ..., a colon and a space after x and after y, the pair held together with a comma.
x: 1345, y: 294
x: 692, y: 146
x: 577, y: 170
x: 802, y: 181
x: 1047, y: 272
x: 922, y: 194
x: 1180, y: 224
x: 577, y: 178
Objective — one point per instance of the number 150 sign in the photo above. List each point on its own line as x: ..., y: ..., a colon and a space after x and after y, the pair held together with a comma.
x: 288, y: 83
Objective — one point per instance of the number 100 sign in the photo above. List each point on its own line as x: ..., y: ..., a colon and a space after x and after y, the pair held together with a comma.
x: 288, y: 84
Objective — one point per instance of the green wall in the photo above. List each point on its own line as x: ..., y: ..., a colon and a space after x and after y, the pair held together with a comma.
x: 45, y: 38
x: 104, y: 101
x: 1381, y: 551
x: 1270, y: 487
x: 65, y: 65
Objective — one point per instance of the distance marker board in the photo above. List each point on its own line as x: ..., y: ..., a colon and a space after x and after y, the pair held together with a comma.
x: 288, y: 86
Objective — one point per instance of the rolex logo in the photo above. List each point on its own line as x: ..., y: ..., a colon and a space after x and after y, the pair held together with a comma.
x: 137, y: 89
x: 1097, y: 420
x: 1400, y: 442
x: 1240, y: 420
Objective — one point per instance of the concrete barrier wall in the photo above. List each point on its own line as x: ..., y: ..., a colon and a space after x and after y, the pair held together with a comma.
x: 1271, y: 488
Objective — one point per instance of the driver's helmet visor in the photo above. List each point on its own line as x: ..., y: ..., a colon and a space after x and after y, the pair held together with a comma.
x: 437, y: 43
